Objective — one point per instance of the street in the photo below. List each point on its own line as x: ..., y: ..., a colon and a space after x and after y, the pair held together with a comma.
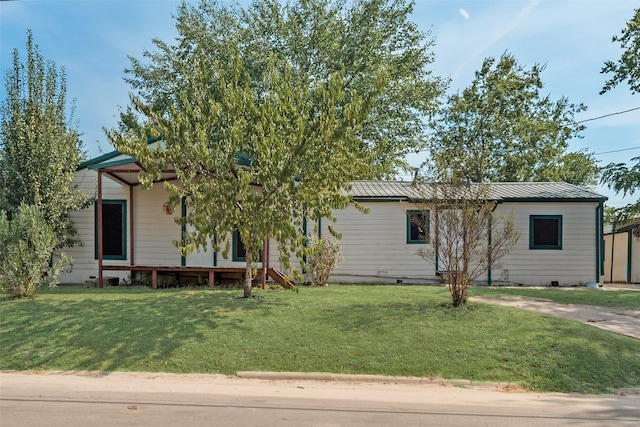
x: 151, y: 399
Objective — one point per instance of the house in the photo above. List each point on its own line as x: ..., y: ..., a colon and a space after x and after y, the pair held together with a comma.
x: 137, y: 231
x: 622, y: 253
x: 381, y: 246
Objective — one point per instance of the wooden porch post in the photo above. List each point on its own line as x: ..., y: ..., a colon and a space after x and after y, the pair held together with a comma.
x: 265, y: 261
x: 99, y: 236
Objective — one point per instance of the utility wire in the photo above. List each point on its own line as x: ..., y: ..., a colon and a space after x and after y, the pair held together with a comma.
x: 608, y: 115
x: 616, y: 151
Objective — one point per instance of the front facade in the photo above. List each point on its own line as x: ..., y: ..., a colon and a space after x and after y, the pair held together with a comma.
x: 560, y: 228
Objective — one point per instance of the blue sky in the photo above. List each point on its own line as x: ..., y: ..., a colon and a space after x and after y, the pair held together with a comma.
x: 92, y: 40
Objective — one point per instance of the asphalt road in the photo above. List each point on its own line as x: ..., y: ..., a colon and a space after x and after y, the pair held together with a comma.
x: 146, y: 399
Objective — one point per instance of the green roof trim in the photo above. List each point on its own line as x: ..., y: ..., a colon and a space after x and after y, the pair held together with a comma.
x: 114, y: 163
x: 110, y: 155
x: 100, y: 159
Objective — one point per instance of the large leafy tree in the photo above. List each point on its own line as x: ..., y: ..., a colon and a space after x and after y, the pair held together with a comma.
x: 622, y: 177
x: 268, y: 113
x: 39, y: 149
x: 501, y: 128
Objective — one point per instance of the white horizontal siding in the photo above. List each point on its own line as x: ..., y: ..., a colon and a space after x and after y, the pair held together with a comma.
x: 85, y: 264
x: 154, y: 231
x: 374, y: 245
x: 575, y: 263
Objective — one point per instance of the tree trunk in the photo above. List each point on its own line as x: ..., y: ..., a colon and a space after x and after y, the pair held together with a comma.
x: 248, y: 274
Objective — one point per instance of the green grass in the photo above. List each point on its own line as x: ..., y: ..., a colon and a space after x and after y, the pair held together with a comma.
x: 387, y: 330
x: 586, y: 296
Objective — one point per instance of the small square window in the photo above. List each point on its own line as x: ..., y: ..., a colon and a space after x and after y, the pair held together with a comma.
x: 545, y: 232
x: 417, y: 226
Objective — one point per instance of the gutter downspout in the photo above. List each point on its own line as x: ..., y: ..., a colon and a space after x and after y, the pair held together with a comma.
x: 489, y: 279
x: 629, y: 263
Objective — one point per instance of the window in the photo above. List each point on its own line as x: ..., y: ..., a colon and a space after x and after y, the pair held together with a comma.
x: 114, y: 229
x: 545, y: 232
x: 239, y: 250
x: 417, y: 226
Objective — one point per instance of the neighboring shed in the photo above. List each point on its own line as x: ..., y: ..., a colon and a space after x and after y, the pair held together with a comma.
x: 137, y: 232
x: 622, y: 253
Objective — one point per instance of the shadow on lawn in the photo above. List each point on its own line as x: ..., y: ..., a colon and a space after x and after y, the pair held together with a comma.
x: 114, y: 331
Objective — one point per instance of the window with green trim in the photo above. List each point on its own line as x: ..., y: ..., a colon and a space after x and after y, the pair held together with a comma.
x: 417, y: 227
x: 114, y: 229
x: 545, y: 232
x: 239, y: 251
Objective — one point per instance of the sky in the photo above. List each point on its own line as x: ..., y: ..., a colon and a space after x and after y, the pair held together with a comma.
x: 93, y: 39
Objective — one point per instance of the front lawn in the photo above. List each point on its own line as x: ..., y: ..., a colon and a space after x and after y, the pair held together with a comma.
x: 386, y: 330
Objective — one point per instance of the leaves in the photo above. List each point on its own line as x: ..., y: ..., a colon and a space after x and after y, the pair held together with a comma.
x: 312, y: 95
x: 27, y: 242
x: 624, y: 179
x: 39, y: 150
x: 627, y: 68
x: 501, y: 128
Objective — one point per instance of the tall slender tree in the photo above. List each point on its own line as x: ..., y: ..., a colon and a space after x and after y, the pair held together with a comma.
x: 39, y: 149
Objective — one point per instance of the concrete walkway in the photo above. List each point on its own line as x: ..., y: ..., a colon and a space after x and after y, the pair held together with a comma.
x: 625, y: 321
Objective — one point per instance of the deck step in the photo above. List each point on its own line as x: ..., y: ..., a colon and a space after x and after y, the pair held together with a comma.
x: 280, y: 278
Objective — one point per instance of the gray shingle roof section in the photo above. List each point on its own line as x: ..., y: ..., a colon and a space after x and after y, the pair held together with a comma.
x: 504, y: 191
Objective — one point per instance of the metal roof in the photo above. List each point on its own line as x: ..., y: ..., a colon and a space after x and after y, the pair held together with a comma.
x: 502, y: 191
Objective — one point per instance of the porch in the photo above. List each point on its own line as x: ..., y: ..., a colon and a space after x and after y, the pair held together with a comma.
x: 154, y: 270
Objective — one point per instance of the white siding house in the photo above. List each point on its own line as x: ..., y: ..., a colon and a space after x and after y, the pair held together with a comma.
x: 377, y: 247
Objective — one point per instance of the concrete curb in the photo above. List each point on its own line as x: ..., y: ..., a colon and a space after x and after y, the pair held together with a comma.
x: 378, y: 379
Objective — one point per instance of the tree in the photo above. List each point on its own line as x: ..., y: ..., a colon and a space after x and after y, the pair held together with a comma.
x: 628, y: 66
x: 26, y: 244
x: 502, y: 129
x: 469, y: 237
x: 319, y: 38
x: 625, y: 179
x: 267, y: 114
x: 622, y: 177
x: 324, y: 256
x: 39, y: 151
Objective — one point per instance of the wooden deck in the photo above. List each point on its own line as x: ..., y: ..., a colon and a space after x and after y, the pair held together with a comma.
x: 276, y: 275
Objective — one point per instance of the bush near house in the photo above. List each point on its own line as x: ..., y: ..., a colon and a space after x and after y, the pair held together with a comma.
x: 27, y: 242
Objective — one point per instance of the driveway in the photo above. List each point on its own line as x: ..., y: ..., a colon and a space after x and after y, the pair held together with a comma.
x: 625, y: 321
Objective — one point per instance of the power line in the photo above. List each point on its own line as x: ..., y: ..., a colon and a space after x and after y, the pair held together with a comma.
x: 616, y: 151
x: 608, y: 115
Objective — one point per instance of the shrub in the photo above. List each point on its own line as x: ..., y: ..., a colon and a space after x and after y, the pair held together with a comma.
x: 324, y: 256
x: 27, y: 243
